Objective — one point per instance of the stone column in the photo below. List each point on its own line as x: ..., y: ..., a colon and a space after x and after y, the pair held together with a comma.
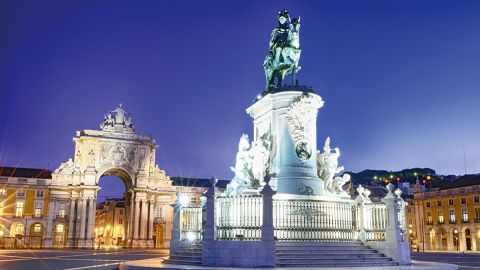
x: 130, y: 221
x: 143, y: 220
x: 151, y: 217
x: 395, y: 246
x: 71, y: 218
x: 136, y: 219
x: 91, y: 222
x: 268, y: 239
x: 83, y: 217
x: 50, y: 218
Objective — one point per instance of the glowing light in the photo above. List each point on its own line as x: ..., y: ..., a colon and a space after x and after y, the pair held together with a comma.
x: 2, y: 233
x: 415, y: 174
x: 183, y: 199
x: 428, y: 177
x: 375, y: 177
x: 191, y: 236
x: 391, y: 176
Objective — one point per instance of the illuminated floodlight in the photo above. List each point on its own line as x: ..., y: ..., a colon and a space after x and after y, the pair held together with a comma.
x: 183, y: 199
x: 191, y: 236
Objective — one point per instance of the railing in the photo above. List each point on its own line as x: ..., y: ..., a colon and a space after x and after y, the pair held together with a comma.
x: 375, y: 221
x: 191, y: 224
x: 239, y: 217
x: 314, y: 220
x: 60, y: 218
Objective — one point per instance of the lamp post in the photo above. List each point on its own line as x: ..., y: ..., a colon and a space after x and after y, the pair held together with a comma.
x: 455, y: 238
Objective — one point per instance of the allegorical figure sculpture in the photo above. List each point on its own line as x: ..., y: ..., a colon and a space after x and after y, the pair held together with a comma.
x: 327, y: 166
x: 117, y: 119
x: 252, y: 164
x: 283, y: 51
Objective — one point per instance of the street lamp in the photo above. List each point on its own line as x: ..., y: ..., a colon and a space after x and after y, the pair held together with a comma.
x: 455, y: 234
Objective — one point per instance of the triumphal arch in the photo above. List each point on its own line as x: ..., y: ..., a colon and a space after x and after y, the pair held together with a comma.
x: 115, y: 149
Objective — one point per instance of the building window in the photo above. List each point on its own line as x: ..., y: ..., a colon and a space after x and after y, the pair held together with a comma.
x: 121, y: 211
x: 428, y: 204
x: 59, y: 228
x: 439, y: 203
x: 193, y: 200
x: 120, y: 221
x: 450, y: 202
x: 429, y: 218
x: 440, y: 217
x: 19, y: 228
x: 41, y: 182
x: 159, y: 212
x: 464, y: 200
x: 476, y: 199
x: 39, y: 194
x: 22, y: 181
x: 19, y: 209
x: 464, y: 215
x: 477, y: 214
x: 37, y: 228
x: 38, y: 210
x: 3, y: 192
x: 61, y: 210
x: 3, y: 180
x: 21, y: 193
x: 452, y: 216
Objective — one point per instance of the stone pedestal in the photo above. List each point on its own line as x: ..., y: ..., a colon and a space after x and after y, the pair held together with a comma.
x: 288, y: 118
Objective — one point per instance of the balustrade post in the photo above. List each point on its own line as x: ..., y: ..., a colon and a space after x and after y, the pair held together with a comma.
x: 175, y: 242
x: 362, y: 215
x: 267, y: 230
x: 210, y: 232
x: 395, y: 246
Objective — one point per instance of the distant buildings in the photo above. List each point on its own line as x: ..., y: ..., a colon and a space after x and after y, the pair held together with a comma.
x: 447, y: 218
x: 28, y: 217
x: 24, y: 199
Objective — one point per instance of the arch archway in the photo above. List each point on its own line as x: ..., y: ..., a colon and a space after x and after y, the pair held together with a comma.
x: 432, y: 240
x: 443, y: 239
x: 468, y: 239
x: 36, y: 235
x: 116, y: 150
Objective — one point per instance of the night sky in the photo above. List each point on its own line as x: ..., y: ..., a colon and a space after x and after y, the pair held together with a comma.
x: 400, y: 79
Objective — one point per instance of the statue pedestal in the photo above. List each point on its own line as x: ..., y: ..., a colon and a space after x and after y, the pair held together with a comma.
x: 289, y: 117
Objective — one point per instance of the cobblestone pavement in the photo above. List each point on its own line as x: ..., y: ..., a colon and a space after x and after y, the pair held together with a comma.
x: 24, y: 259
x: 465, y: 261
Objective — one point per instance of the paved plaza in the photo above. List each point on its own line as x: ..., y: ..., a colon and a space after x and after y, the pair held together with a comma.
x: 465, y: 261
x: 72, y: 259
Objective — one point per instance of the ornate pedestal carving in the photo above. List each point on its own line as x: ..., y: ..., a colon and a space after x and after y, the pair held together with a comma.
x: 289, y: 117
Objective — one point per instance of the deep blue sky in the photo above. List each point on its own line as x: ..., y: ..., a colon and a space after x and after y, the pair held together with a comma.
x: 401, y: 79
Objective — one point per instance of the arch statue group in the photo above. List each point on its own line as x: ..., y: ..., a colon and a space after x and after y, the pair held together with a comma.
x: 116, y: 150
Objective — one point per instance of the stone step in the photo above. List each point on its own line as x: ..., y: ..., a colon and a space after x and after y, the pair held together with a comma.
x: 324, y: 251
x: 331, y: 261
x: 329, y: 256
x: 313, y: 243
x: 183, y: 262
x: 182, y: 256
x: 333, y: 249
x: 343, y: 264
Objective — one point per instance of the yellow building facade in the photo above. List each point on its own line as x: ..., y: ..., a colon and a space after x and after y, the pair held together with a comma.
x: 24, y: 201
x: 448, y: 218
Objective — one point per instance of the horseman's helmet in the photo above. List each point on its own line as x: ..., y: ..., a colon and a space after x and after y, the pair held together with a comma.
x: 284, y: 13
